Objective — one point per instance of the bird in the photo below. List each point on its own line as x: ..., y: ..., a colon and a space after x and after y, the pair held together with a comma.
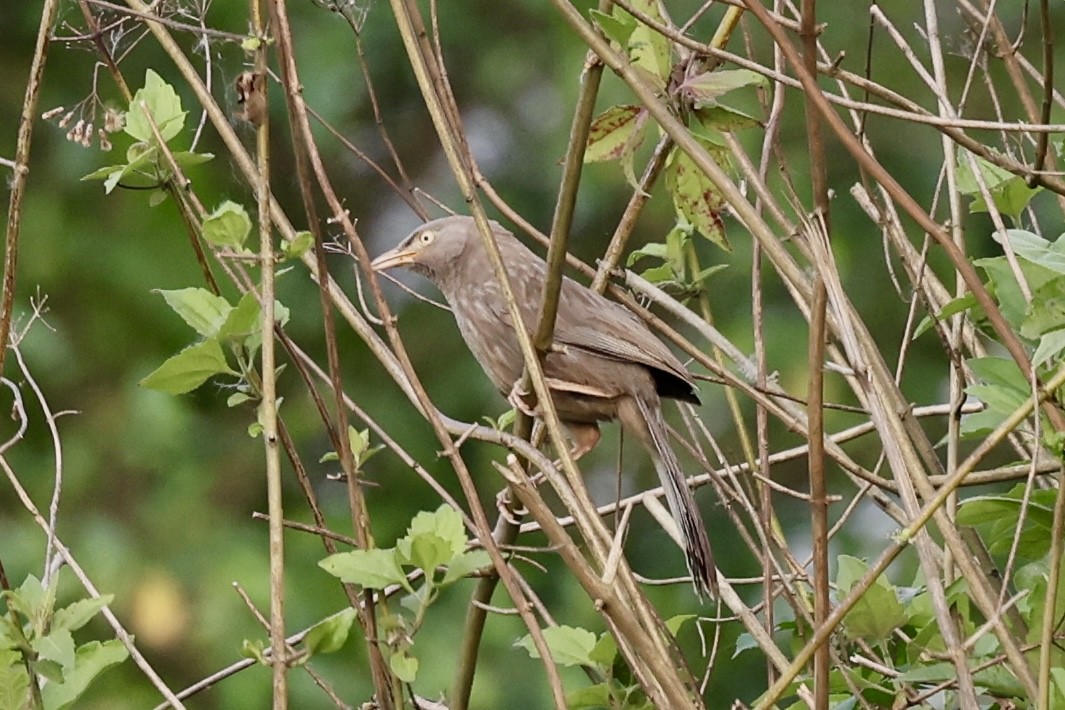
x: 603, y: 364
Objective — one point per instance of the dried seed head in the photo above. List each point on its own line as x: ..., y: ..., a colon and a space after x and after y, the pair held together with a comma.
x: 65, y: 121
x: 52, y: 113
x: 114, y: 120
x: 105, y: 141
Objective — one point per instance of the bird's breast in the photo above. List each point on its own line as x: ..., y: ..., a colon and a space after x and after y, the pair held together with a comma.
x: 483, y: 320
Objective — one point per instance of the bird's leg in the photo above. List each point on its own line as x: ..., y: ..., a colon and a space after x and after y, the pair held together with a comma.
x: 517, y: 397
x: 584, y: 435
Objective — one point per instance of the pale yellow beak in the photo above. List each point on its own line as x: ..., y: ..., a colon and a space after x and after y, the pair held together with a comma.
x: 399, y: 256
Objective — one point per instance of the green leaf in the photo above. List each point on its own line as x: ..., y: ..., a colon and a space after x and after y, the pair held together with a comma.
x: 202, y: 310
x: 50, y: 670
x: 1050, y: 346
x: 140, y: 170
x: 359, y: 441
x: 188, y: 159
x: 695, y: 198
x: 505, y: 420
x: 31, y: 599
x: 1046, y: 312
x: 466, y: 563
x: 658, y: 274
x: 90, y: 661
x: 104, y: 172
x: 704, y: 89
x: 999, y: 682
x: 617, y: 26
x: 1057, y: 675
x: 237, y: 399
x: 1000, y: 515
x: 724, y: 119
x: 676, y: 241
x: 57, y: 646
x: 301, y: 243
x: 427, y: 551
x: 999, y: 371
x: 615, y: 132
x: 954, y: 306
x: 255, y: 650
x: 228, y: 226
x: 1033, y: 578
x: 329, y: 635
x: 744, y: 642
x: 649, y: 50
x: 1002, y: 388
x: 569, y: 645
x: 591, y: 696
x: 605, y: 651
x: 1032, y: 247
x: 189, y: 369
x: 162, y: 103
x: 404, y: 665
x: 931, y: 673
x: 655, y: 250
x: 14, y: 682
x: 243, y: 319
x: 1007, y: 292
x: 674, y: 623
x: 446, y: 523
x: 372, y: 569
x: 878, y: 612
x: 1009, y: 192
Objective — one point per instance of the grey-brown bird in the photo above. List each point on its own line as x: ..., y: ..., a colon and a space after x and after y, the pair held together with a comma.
x: 604, y: 362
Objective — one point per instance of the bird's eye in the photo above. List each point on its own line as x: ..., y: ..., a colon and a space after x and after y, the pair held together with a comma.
x: 426, y: 238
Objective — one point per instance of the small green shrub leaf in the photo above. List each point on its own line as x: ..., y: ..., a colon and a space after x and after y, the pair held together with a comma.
x: 164, y: 105
x: 228, y: 226
x: 76, y: 615
x: 569, y: 645
x: 328, y: 635
x: 615, y: 132
x: 90, y: 661
x: 404, y: 665
x: 202, y: 310
x: 189, y: 369
x: 372, y: 569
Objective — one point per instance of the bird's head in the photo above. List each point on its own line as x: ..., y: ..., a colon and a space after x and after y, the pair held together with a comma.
x: 432, y: 249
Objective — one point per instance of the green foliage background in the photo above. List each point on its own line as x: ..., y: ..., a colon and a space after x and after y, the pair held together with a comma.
x: 159, y: 490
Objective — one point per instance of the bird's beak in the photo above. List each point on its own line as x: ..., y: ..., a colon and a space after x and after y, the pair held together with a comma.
x: 400, y: 256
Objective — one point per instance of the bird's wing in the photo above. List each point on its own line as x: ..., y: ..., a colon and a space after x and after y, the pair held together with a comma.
x: 593, y: 324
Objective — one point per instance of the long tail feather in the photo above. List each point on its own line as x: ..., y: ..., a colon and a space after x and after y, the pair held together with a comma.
x: 681, y: 502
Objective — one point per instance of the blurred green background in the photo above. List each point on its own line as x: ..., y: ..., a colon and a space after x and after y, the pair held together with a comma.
x: 158, y: 491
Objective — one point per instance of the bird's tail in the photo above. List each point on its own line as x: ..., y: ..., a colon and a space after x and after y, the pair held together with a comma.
x: 681, y: 502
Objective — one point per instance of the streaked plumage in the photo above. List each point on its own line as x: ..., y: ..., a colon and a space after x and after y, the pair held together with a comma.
x: 604, y: 363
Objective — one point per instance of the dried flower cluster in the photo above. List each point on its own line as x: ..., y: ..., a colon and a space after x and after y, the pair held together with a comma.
x: 82, y: 131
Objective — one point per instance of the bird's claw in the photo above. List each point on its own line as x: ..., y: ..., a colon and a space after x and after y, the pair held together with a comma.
x: 516, y: 398
x: 506, y: 506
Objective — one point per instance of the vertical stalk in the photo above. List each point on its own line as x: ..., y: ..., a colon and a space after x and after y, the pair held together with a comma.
x: 268, y: 406
x: 816, y: 355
